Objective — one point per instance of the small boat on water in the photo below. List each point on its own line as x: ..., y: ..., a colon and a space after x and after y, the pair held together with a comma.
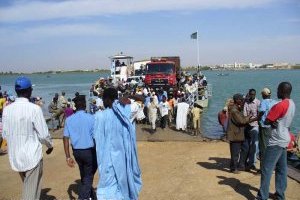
x: 223, y: 74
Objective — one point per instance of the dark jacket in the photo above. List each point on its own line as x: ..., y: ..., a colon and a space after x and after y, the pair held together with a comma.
x: 236, y: 123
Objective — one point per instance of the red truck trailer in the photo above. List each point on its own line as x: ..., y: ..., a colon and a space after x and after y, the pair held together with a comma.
x: 163, y: 72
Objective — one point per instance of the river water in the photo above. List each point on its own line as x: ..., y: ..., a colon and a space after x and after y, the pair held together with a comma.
x: 46, y: 85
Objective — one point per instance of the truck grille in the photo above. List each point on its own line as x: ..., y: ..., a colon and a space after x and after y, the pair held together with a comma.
x: 159, y: 81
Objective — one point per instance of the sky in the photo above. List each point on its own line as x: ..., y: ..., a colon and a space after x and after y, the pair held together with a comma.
x: 44, y: 35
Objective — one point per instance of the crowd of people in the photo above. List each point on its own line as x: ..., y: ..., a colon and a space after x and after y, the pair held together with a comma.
x: 260, y: 129
x: 104, y: 138
x: 158, y: 106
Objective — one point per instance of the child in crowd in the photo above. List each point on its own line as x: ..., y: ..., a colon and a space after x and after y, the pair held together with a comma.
x: 152, y: 114
x: 164, y: 110
x: 196, y: 113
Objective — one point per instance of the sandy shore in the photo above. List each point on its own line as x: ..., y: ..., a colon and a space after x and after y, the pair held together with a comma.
x: 144, y: 134
x: 170, y: 170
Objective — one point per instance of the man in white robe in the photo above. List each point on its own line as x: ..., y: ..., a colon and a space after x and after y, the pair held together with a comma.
x: 181, y: 117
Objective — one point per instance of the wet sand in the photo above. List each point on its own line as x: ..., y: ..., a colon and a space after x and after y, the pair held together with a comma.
x: 180, y: 169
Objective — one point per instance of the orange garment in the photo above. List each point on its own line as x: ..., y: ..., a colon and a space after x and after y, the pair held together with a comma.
x: 3, y: 145
x: 171, y: 103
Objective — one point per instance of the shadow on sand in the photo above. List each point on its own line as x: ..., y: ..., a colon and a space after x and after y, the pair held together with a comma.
x: 74, y: 189
x: 46, y: 196
x: 223, y: 165
x: 219, y: 164
x: 241, y: 188
x: 148, y: 130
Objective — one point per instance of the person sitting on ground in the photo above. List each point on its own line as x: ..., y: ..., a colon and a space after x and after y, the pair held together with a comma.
x: 57, y: 113
x: 62, y: 101
x: 196, y: 113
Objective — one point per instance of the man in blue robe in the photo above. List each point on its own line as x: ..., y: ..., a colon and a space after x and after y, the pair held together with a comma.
x: 114, y: 134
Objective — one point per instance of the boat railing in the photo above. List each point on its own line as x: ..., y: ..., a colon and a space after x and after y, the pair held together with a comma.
x: 191, y: 98
x: 209, y: 90
x: 200, y: 93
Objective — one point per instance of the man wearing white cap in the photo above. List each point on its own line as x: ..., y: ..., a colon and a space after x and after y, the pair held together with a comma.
x: 265, y: 130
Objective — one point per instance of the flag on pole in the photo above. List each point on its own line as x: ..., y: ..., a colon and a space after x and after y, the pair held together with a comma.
x: 194, y: 35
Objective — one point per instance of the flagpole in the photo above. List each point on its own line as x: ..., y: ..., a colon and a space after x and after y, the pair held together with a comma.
x: 198, y: 60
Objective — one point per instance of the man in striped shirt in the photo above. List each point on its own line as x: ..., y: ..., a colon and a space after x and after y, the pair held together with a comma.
x: 25, y: 129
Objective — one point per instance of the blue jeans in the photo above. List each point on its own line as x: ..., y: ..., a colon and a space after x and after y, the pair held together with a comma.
x: 275, y: 158
x: 249, y: 147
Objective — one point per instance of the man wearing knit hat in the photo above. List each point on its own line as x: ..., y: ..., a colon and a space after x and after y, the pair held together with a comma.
x: 264, y: 130
x: 235, y: 130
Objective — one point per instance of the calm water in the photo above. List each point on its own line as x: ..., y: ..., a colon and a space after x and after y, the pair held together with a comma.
x: 223, y: 87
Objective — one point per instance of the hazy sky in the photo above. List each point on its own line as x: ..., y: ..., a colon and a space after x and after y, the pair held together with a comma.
x: 82, y: 34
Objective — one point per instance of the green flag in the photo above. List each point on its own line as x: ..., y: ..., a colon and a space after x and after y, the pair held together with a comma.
x: 194, y: 35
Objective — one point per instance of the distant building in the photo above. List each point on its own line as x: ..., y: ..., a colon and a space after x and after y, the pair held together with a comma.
x: 282, y: 65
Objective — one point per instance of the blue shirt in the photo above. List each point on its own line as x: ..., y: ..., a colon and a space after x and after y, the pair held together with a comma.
x: 79, y: 128
x: 165, y: 94
x: 147, y: 101
x: 265, y: 106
